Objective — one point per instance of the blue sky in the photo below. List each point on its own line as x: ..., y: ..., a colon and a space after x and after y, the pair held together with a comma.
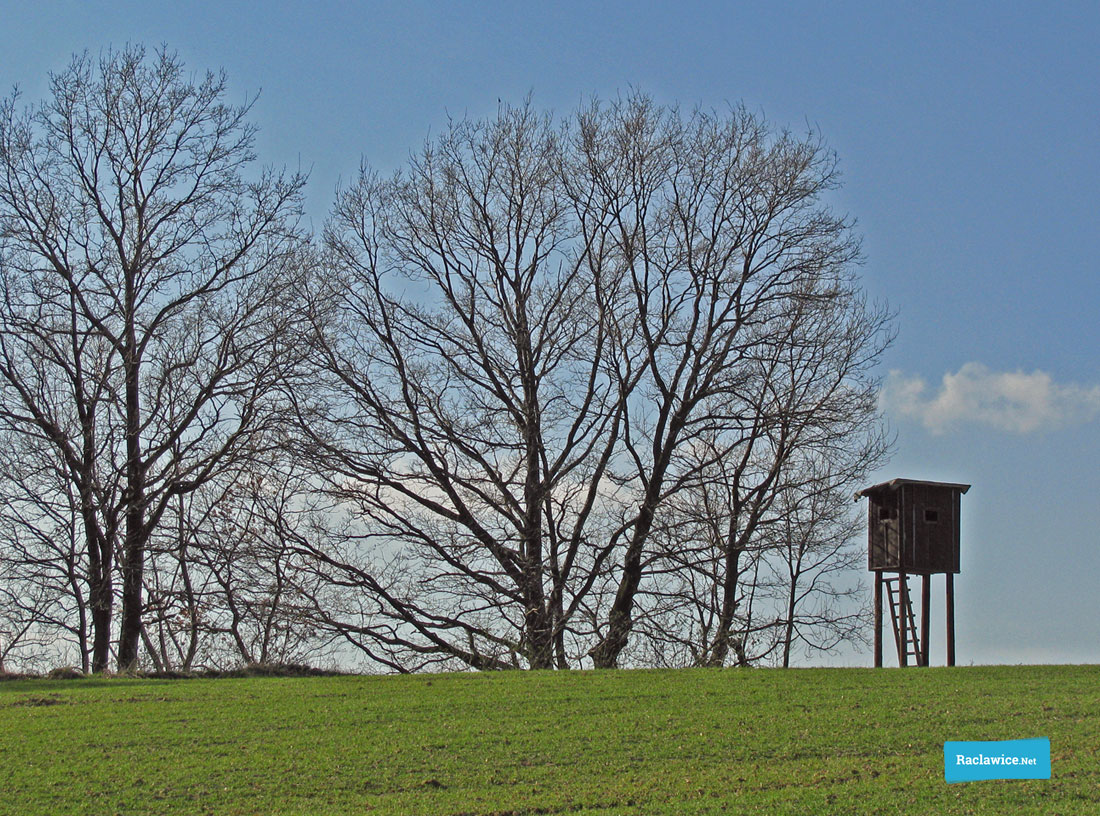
x: 968, y: 135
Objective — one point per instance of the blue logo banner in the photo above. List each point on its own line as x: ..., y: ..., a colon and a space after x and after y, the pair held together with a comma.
x: 1004, y: 759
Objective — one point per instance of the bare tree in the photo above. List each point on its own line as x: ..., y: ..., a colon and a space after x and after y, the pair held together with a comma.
x: 814, y: 541
x: 538, y: 337
x: 735, y: 264
x: 469, y: 427
x: 746, y: 570
x: 146, y: 285
x: 29, y: 609
x: 44, y: 561
x: 238, y: 582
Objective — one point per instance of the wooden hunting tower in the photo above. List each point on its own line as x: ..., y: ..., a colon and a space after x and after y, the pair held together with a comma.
x: 912, y: 528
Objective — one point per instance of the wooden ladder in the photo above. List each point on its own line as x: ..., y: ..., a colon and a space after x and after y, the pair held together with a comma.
x: 901, y: 614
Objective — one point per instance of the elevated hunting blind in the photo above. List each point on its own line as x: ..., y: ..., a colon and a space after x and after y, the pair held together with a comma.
x: 912, y: 528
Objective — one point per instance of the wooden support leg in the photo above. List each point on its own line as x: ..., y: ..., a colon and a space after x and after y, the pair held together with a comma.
x: 925, y: 603
x: 878, y: 620
x: 903, y: 622
x: 950, y: 619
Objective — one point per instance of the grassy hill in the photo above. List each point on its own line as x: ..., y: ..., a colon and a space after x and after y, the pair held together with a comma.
x: 818, y: 741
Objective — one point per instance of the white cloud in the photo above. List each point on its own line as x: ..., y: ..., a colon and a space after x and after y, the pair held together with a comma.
x: 1008, y: 400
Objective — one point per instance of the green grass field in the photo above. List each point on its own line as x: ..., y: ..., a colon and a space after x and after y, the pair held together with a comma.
x: 815, y: 741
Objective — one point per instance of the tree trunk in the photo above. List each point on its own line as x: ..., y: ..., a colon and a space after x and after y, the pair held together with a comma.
x: 133, y: 565
x: 730, y: 579
x: 788, y: 633
x: 606, y: 653
x: 100, y: 601
x: 132, y: 582
x: 619, y: 622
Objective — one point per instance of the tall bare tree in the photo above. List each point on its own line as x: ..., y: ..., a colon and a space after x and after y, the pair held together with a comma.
x: 146, y: 283
x: 537, y: 336
x: 470, y: 425
x: 728, y: 243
